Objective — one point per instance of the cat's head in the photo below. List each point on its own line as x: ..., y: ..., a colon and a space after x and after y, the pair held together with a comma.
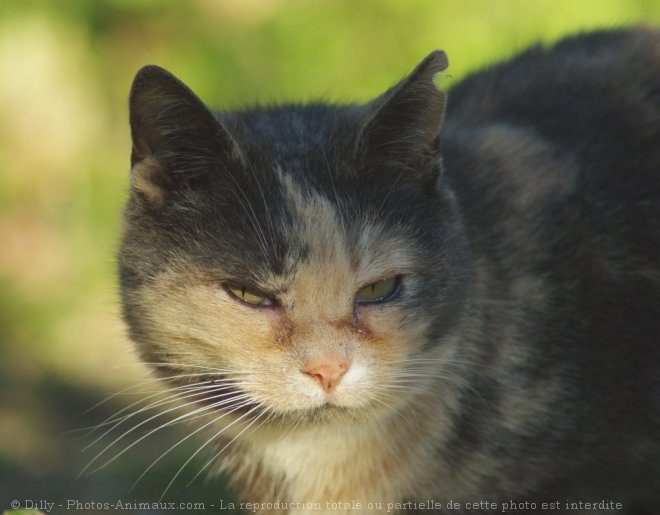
x: 299, y: 261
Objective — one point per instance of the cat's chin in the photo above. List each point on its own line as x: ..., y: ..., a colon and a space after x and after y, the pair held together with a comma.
x: 330, y: 413
x: 325, y: 414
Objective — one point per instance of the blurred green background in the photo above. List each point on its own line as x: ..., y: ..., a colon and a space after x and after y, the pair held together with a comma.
x: 65, y: 70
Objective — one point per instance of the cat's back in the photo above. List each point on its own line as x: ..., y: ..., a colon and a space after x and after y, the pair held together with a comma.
x: 570, y: 88
x: 555, y: 159
x: 570, y: 131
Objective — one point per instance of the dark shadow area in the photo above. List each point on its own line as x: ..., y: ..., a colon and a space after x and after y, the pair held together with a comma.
x: 48, y: 455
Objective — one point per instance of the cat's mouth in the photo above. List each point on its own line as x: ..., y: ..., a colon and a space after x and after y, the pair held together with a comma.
x: 216, y: 393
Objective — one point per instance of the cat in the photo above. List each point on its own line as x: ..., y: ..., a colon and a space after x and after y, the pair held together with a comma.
x: 421, y: 302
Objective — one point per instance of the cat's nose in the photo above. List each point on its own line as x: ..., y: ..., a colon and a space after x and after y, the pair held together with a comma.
x: 328, y: 372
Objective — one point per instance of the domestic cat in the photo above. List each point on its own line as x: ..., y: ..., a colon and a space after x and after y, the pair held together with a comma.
x: 425, y: 298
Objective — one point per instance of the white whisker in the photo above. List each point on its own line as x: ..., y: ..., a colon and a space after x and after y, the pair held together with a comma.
x: 225, y: 447
x: 111, y: 444
x: 207, y: 443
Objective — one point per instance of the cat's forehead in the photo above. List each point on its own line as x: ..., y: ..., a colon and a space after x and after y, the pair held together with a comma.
x: 342, y: 242
x: 297, y: 199
x: 296, y: 135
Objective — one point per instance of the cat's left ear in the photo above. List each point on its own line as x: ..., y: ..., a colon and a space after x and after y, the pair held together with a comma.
x: 402, y: 126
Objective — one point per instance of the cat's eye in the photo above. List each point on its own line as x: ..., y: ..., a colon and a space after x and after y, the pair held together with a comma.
x: 379, y: 291
x: 249, y: 296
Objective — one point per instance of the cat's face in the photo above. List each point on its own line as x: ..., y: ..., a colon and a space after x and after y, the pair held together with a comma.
x: 296, y: 263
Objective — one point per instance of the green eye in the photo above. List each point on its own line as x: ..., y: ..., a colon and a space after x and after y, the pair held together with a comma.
x: 380, y: 291
x: 251, y: 297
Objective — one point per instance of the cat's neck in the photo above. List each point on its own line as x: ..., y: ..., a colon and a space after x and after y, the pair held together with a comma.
x: 384, y: 460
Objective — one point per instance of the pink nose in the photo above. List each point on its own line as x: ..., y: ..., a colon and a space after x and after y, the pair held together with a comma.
x: 328, y: 372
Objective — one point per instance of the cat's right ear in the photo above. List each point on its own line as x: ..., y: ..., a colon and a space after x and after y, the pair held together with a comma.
x: 176, y: 138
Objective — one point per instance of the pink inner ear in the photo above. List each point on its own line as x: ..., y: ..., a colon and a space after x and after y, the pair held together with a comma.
x: 144, y: 177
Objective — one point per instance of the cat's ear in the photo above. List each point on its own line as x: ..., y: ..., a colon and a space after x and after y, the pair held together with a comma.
x: 176, y: 138
x: 403, y: 125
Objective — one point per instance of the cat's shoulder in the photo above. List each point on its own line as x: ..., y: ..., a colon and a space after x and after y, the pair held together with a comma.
x: 573, y: 75
x: 563, y: 136
x: 585, y: 110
